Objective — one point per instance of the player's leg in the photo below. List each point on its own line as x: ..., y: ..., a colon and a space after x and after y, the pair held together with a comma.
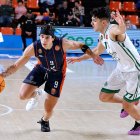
x: 23, y: 37
x: 29, y: 87
x: 124, y: 113
x: 27, y: 91
x: 131, y: 97
x: 113, y: 85
x: 53, y: 87
x: 49, y: 105
x: 134, y: 111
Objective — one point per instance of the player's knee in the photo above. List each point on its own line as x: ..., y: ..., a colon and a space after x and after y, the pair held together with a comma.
x: 104, y: 97
x: 22, y: 96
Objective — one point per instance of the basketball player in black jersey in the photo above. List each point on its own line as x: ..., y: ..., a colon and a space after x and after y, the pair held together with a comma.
x: 50, y: 69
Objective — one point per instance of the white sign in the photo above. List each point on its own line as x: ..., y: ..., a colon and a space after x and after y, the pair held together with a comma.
x: 1, y: 38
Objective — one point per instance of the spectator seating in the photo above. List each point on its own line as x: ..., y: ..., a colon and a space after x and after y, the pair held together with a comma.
x: 133, y: 18
x: 129, y: 6
x: 32, y: 4
x: 7, y: 30
x: 115, y: 5
x: 14, y: 3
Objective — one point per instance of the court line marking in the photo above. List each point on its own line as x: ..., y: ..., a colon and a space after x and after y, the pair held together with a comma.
x: 9, y: 110
x: 72, y: 110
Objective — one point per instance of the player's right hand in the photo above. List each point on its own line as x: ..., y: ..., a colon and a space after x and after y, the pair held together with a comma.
x: 71, y: 60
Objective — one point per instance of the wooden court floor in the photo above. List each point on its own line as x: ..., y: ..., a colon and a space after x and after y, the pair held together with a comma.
x: 79, y: 115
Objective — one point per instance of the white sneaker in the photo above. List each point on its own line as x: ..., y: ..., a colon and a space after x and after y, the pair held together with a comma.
x: 33, y: 102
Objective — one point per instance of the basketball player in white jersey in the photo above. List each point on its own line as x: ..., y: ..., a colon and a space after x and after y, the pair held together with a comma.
x: 114, y: 39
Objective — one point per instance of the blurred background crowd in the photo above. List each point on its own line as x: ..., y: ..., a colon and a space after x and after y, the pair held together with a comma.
x: 21, y: 17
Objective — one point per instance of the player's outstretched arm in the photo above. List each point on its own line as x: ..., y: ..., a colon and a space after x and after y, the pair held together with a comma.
x: 73, y: 45
x: 20, y: 62
x: 96, y: 51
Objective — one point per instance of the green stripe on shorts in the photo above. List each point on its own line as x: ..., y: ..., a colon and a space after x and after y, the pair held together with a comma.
x: 126, y: 99
x: 131, y: 97
x: 109, y: 91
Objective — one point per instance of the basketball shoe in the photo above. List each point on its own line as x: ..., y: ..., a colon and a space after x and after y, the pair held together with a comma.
x: 45, y: 127
x: 123, y: 113
x: 135, y: 130
x: 33, y: 102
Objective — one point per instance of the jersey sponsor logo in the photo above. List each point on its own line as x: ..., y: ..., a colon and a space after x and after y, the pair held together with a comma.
x: 39, y: 51
x: 57, y: 48
x: 31, y: 78
x: 40, y: 55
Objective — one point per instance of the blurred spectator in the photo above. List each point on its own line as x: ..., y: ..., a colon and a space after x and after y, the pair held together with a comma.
x: 71, y: 21
x: 20, y: 10
x: 129, y: 25
x: 46, y: 5
x: 52, y: 19
x: 79, y: 11
x: 6, y: 13
x: 28, y: 26
x: 138, y: 4
x: 2, y: 2
x: 89, y: 5
x: 71, y: 4
x: 63, y: 12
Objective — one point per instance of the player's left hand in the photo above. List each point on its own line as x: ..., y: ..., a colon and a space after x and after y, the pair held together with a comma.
x: 98, y: 60
x: 119, y: 19
x: 71, y: 60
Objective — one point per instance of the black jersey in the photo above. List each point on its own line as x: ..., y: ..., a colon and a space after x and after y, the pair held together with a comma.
x: 53, y: 59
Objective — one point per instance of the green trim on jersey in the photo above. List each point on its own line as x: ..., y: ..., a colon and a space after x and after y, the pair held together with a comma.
x: 129, y: 53
x: 109, y: 91
x: 106, y: 30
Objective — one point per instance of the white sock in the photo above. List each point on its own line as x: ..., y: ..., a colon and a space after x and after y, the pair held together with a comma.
x: 138, y: 121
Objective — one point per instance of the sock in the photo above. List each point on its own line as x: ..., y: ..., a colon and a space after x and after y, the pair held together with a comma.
x: 44, y: 119
x: 138, y: 121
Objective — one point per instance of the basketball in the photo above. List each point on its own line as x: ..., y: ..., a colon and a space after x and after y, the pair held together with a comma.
x: 2, y: 84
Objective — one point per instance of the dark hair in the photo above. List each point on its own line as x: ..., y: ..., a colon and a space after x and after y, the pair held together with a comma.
x: 78, y: 1
x: 47, y: 30
x: 101, y: 13
x: 20, y: 1
x: 29, y: 11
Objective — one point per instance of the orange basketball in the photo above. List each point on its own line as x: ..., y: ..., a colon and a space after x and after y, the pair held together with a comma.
x: 2, y: 84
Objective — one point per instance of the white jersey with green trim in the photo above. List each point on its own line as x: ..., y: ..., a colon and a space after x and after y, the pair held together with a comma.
x: 124, y: 52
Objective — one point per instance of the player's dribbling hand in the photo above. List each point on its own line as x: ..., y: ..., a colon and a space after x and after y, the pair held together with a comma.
x: 2, y: 75
x: 71, y: 60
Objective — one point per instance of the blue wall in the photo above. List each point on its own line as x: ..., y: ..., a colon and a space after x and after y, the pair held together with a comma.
x: 12, y: 45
